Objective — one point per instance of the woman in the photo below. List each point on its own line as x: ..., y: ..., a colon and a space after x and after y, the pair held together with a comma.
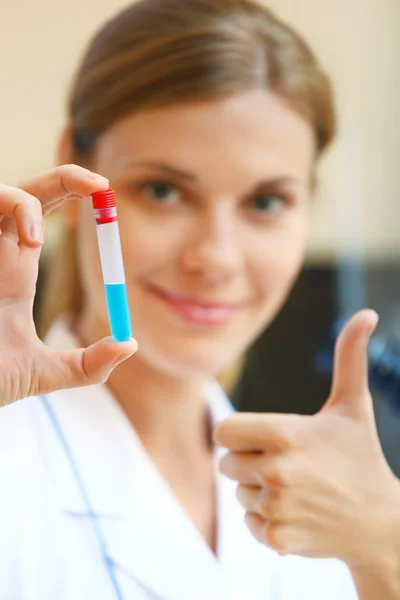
x: 207, y: 118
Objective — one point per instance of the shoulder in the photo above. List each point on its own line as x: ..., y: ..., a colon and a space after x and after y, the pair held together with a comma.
x: 16, y: 432
x: 23, y: 475
x: 18, y: 440
x: 22, y: 471
x: 28, y: 515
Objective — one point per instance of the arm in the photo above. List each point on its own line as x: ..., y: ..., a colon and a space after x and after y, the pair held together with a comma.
x: 380, y: 579
x: 382, y: 585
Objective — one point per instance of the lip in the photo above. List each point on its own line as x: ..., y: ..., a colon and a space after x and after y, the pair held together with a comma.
x: 194, y: 310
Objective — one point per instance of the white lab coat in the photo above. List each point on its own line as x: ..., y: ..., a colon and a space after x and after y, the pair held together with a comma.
x: 48, y: 550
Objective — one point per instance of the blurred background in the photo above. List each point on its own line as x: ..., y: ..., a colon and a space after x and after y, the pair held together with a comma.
x: 354, y: 252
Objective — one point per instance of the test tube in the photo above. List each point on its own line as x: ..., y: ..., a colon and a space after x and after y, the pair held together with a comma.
x: 105, y: 212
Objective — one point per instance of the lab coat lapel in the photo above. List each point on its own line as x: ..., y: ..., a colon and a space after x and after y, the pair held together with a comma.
x: 171, y: 558
x: 98, y: 440
x: 163, y: 550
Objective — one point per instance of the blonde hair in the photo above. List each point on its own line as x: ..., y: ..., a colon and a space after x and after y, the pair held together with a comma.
x: 161, y: 52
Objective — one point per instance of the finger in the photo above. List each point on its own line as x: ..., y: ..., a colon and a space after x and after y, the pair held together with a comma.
x: 43, y: 192
x: 96, y: 362
x: 54, y: 204
x: 276, y: 471
x: 56, y: 184
x: 258, y: 527
x: 27, y: 212
x: 251, y: 432
x: 277, y: 536
x: 87, y: 366
x: 253, y: 498
x: 242, y: 467
x: 350, y: 373
x: 269, y: 504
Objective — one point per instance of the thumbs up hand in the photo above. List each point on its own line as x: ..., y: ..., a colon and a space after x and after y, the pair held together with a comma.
x: 319, y: 486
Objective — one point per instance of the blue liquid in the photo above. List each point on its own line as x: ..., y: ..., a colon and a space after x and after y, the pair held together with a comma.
x: 118, y: 311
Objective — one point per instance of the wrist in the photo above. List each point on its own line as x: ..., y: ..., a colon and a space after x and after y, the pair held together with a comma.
x: 377, y: 570
x: 382, y: 582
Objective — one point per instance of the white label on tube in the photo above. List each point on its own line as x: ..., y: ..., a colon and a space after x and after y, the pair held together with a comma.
x: 110, y: 252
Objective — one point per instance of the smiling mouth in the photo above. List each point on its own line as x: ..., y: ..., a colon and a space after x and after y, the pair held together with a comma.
x: 196, y: 311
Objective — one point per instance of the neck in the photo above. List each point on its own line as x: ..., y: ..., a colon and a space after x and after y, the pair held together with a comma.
x: 168, y: 412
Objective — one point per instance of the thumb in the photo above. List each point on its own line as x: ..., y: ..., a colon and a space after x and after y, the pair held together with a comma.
x: 91, y: 365
x: 350, y: 370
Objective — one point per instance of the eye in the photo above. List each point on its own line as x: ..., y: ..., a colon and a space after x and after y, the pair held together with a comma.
x: 161, y: 192
x: 268, y: 204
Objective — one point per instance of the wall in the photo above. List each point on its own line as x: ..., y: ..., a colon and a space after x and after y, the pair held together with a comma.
x: 40, y: 43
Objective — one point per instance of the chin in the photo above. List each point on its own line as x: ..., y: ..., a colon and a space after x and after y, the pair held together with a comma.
x: 189, y: 360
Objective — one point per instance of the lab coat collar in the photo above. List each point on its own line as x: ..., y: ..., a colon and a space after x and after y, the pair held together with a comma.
x: 123, y: 485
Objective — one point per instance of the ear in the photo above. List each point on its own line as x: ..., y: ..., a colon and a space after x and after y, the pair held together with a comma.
x: 64, y: 155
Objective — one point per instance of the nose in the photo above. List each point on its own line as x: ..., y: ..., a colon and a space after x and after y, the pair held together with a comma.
x: 212, y: 250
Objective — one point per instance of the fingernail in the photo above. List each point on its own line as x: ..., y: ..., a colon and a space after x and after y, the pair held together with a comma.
x: 36, y: 232
x: 372, y: 326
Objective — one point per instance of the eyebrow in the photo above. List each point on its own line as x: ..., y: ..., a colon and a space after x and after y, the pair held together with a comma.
x: 175, y: 171
x: 165, y: 167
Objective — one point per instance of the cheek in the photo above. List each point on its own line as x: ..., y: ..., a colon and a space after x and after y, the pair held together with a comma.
x: 148, y: 244
x: 276, y: 261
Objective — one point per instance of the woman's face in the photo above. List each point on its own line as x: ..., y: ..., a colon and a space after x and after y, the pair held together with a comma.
x: 213, y: 203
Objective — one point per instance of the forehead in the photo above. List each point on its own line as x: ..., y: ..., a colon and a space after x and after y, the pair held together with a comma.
x: 253, y: 132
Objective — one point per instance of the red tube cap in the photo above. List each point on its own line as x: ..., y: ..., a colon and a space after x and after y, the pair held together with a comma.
x: 104, y: 199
